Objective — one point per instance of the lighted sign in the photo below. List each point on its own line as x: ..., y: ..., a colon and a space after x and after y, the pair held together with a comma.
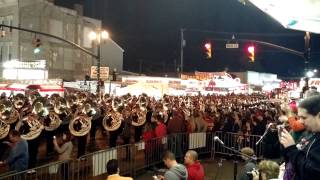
x: 14, y: 64
x: 25, y: 74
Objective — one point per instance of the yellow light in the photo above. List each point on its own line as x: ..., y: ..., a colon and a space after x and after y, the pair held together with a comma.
x: 92, y: 35
x: 104, y: 35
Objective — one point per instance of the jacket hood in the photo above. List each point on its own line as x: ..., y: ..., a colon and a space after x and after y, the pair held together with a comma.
x: 180, y: 170
x: 195, y: 166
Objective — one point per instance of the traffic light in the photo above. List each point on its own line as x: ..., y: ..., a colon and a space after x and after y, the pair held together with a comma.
x: 36, y: 44
x: 251, y: 53
x: 208, y: 50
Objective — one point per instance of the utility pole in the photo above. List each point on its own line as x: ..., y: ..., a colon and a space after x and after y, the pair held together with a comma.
x: 306, y: 54
x: 98, y: 68
x: 182, y: 44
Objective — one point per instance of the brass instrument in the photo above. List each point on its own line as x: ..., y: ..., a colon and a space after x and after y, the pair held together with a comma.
x: 139, y: 116
x: 80, y: 125
x: 140, y: 112
x: 19, y: 100
x: 33, y: 96
x: 8, y: 113
x: 51, y: 120
x: 4, y: 129
x: 29, y: 127
x: 112, y: 121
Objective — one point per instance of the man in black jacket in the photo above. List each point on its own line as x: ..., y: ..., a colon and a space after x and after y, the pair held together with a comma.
x: 304, y: 156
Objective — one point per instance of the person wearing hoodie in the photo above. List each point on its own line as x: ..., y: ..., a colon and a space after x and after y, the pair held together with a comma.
x: 176, y: 171
x: 250, y: 163
x: 305, y: 156
x: 194, y: 168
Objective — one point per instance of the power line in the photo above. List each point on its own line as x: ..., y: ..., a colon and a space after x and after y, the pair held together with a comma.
x: 246, y: 34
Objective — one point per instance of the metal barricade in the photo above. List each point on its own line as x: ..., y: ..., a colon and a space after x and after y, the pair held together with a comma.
x: 236, y: 141
x: 135, y: 157
x: 93, y: 165
x: 57, y: 170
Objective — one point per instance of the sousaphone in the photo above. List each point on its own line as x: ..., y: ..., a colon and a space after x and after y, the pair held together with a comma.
x: 29, y: 127
x: 80, y: 125
x: 4, y: 129
x: 112, y: 120
x: 8, y: 113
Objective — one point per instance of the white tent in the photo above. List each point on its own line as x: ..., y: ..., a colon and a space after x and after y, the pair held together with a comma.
x: 151, y: 89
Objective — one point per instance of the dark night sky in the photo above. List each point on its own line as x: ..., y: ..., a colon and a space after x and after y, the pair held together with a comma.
x: 149, y: 32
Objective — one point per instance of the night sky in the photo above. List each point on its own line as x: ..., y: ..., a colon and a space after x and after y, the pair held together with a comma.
x: 149, y: 32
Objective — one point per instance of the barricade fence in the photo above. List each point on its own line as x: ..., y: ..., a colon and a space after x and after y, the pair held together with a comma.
x: 139, y: 156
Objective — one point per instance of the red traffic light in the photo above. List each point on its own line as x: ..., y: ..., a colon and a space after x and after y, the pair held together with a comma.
x: 207, y: 45
x: 251, y: 49
x: 251, y: 53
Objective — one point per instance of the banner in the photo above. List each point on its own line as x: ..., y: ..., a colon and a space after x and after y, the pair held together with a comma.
x: 100, y: 160
x: 197, y: 140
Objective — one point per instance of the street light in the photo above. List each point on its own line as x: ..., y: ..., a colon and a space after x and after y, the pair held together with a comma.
x: 97, y: 37
x: 310, y: 74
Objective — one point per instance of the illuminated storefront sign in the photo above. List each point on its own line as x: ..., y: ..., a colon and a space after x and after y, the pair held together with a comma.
x: 14, y: 64
x: 23, y: 70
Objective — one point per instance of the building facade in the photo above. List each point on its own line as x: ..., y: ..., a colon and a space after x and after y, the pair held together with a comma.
x: 62, y: 61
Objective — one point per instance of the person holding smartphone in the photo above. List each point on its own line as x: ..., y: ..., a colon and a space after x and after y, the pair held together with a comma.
x: 64, y: 152
x: 304, y: 156
x: 65, y: 149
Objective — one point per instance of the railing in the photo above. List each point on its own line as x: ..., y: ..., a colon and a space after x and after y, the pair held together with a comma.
x: 135, y: 157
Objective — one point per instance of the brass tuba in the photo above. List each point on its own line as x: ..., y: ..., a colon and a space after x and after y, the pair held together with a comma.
x: 4, y: 129
x: 112, y: 120
x: 51, y: 120
x: 29, y: 127
x: 80, y: 125
x: 8, y: 113
x: 139, y: 112
x: 19, y: 100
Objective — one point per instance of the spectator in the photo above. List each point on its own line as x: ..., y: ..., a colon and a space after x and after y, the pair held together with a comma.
x: 64, y: 153
x: 19, y: 156
x: 176, y: 171
x: 268, y: 170
x: 65, y: 149
x: 148, y: 135
x: 305, y: 156
x: 194, y: 168
x: 250, y: 164
x: 113, y: 171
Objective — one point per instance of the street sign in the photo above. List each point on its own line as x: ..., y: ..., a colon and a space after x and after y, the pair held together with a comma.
x: 232, y: 46
x: 104, y: 73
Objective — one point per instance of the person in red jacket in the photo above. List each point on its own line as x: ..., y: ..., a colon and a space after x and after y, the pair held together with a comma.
x: 195, y: 169
x: 148, y: 135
